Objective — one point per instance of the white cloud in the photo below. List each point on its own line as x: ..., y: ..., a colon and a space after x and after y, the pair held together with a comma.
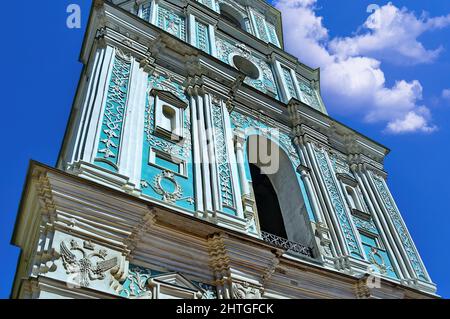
x: 412, y: 122
x: 392, y: 34
x: 352, y: 76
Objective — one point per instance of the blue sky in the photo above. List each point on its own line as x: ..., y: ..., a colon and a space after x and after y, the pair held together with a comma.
x: 41, y: 71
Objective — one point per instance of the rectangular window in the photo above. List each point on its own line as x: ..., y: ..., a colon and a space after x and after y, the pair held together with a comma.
x: 167, y: 162
x: 369, y: 240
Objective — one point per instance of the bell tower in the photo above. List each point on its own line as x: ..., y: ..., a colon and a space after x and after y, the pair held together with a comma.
x: 200, y: 162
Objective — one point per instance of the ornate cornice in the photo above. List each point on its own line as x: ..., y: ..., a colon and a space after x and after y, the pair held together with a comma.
x: 144, y: 226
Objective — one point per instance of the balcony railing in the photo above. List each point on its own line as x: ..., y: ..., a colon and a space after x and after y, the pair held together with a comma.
x: 287, y: 245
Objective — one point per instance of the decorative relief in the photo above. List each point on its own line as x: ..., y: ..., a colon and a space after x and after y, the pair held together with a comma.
x: 285, y: 142
x: 340, y: 164
x: 367, y: 225
x: 172, y: 188
x: 400, y: 227
x: 378, y: 260
x: 245, y: 291
x: 260, y: 21
x: 172, y: 23
x: 140, y: 282
x: 236, y: 5
x: 84, y: 268
x: 135, y: 286
x: 338, y: 204
x: 209, y: 292
x: 223, y: 163
x: 166, y: 185
x: 273, y: 34
x: 309, y: 94
x: 169, y: 195
x: 265, y: 83
x: 289, y: 82
x: 202, y: 33
x: 113, y: 118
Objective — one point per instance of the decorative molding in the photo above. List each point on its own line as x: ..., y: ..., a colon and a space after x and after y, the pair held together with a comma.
x: 202, y: 37
x: 338, y: 204
x: 223, y: 163
x: 181, y: 149
x: 308, y: 93
x: 168, y: 195
x: 367, y: 225
x: 246, y: 291
x: 285, y: 142
x: 147, y: 222
x: 400, y: 227
x: 114, y: 114
x: 266, y: 81
x: 136, y: 284
x: 171, y: 22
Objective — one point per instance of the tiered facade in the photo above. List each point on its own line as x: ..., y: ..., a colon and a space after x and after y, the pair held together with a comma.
x: 153, y: 197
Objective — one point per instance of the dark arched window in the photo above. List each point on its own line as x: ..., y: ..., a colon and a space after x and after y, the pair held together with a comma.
x: 230, y: 15
x: 269, y: 212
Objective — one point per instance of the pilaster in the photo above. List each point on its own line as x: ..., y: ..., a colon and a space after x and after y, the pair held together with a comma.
x: 133, y: 132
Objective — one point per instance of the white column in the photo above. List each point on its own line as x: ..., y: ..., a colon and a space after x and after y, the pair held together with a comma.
x: 296, y: 84
x: 211, y: 153
x: 346, y: 208
x: 340, y: 242
x: 394, y: 229
x: 233, y: 160
x: 282, y: 81
x: 82, y: 104
x: 240, y: 143
x: 196, y: 151
x: 206, y: 178
x: 381, y: 225
x: 310, y: 190
x: 97, y: 108
x: 130, y: 157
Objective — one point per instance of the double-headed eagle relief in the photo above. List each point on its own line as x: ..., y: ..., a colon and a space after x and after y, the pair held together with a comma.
x: 84, y: 269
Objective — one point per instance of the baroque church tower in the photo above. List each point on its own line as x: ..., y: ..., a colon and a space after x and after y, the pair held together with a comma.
x: 200, y: 162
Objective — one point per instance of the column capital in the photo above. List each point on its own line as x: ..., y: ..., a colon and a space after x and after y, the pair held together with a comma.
x: 240, y: 138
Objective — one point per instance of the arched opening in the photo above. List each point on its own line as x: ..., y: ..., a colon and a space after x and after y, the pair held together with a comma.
x: 232, y: 16
x: 279, y: 199
x: 269, y: 211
